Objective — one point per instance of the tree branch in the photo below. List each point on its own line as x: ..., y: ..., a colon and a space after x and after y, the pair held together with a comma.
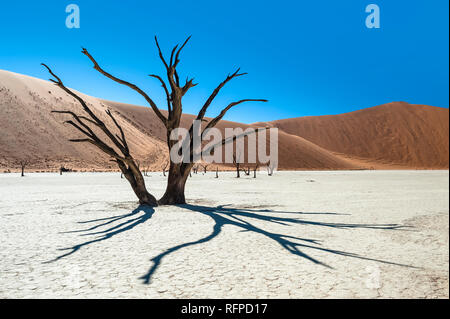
x: 160, y: 53
x: 85, y: 129
x: 163, y: 84
x: 189, y: 83
x: 216, y: 91
x: 177, y: 60
x: 216, y: 120
x: 171, y: 56
x: 122, y: 134
x: 130, y: 85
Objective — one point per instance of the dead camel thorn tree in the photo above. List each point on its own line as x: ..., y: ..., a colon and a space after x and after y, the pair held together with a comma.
x: 270, y: 169
x: 151, y: 158
x: 23, y: 164
x: 165, y: 168
x: 205, y: 167
x: 255, y: 168
x: 174, y: 91
x: 237, y: 164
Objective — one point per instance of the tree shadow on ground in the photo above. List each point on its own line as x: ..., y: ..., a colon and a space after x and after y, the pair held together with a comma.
x: 127, y: 222
x: 223, y: 215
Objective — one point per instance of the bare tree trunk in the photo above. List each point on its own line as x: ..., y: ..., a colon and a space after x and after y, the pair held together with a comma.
x: 134, y: 176
x: 164, y: 169
x: 238, y: 171
x: 254, y: 171
x: 23, y: 164
x: 174, y: 194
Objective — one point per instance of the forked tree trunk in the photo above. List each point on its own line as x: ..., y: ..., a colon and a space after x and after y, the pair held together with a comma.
x: 120, y: 153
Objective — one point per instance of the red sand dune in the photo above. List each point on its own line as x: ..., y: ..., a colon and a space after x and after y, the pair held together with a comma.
x: 395, y: 135
x: 31, y: 132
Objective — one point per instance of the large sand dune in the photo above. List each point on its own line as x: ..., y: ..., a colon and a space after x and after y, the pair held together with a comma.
x: 391, y: 136
x: 394, y: 133
x: 31, y: 132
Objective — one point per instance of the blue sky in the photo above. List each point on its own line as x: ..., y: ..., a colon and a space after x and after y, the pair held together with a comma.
x: 306, y: 57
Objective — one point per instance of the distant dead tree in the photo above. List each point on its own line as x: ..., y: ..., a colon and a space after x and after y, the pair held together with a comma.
x: 165, y: 168
x: 204, y: 166
x: 62, y: 169
x: 238, y: 161
x: 178, y: 172
x: 237, y: 164
x: 145, y: 170
x: 151, y: 158
x: 270, y: 169
x: 255, y: 168
x: 23, y: 164
x: 146, y: 167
